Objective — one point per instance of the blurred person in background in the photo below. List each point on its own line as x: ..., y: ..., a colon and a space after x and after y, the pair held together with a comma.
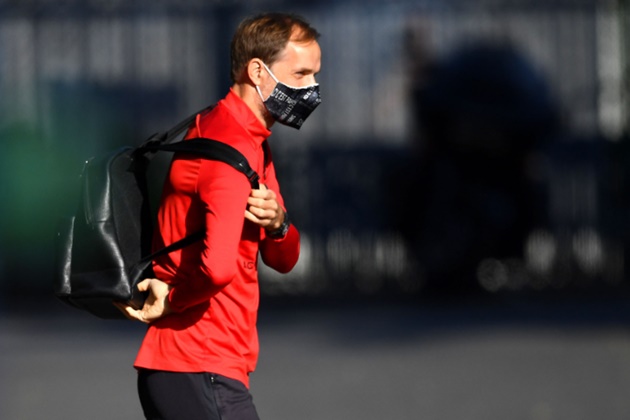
x: 485, y: 115
x: 202, y: 344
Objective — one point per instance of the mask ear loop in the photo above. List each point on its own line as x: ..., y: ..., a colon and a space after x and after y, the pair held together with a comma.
x: 272, y: 76
x: 270, y: 73
x: 260, y: 94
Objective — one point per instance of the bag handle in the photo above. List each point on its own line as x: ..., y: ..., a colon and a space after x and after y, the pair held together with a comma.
x: 165, y: 137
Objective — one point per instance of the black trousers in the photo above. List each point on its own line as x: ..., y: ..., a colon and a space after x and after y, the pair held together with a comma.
x: 193, y: 396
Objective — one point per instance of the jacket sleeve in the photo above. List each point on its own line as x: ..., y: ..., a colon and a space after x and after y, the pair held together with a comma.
x: 281, y: 254
x: 223, y: 194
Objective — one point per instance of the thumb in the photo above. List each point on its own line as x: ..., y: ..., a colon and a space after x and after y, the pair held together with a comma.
x: 143, y: 286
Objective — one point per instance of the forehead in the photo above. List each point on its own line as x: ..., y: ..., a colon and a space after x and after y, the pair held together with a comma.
x: 306, y: 55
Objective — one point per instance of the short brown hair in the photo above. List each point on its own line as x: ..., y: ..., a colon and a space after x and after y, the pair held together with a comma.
x: 264, y: 36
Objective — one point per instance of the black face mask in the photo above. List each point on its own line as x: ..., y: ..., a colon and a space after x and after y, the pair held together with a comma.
x: 291, y: 105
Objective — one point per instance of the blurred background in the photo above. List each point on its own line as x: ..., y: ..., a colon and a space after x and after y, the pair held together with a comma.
x: 461, y: 193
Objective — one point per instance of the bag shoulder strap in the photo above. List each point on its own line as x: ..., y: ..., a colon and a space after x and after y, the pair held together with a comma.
x: 208, y: 149
x: 214, y: 150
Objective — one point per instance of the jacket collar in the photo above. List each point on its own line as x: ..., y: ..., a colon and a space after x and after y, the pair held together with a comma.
x: 246, y: 117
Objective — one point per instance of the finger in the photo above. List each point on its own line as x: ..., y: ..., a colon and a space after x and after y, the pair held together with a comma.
x: 121, y: 308
x: 264, y: 194
x: 266, y: 204
x: 255, y: 211
x: 143, y: 286
x: 142, y: 318
x: 257, y: 194
x: 256, y: 202
x: 263, y: 214
x: 250, y: 216
x: 129, y: 312
x: 258, y: 220
x: 137, y: 315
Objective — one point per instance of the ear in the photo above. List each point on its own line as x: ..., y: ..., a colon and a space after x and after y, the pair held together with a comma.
x: 255, y: 71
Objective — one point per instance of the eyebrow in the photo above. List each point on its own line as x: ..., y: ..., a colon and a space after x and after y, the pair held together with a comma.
x: 304, y: 70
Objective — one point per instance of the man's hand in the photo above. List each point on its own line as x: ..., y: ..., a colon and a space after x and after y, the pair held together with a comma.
x: 155, y: 306
x: 263, y: 209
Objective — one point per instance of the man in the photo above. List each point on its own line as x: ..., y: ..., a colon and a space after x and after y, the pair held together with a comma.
x: 201, y: 343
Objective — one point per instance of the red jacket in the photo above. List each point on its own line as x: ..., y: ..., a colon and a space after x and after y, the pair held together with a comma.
x: 215, y: 294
